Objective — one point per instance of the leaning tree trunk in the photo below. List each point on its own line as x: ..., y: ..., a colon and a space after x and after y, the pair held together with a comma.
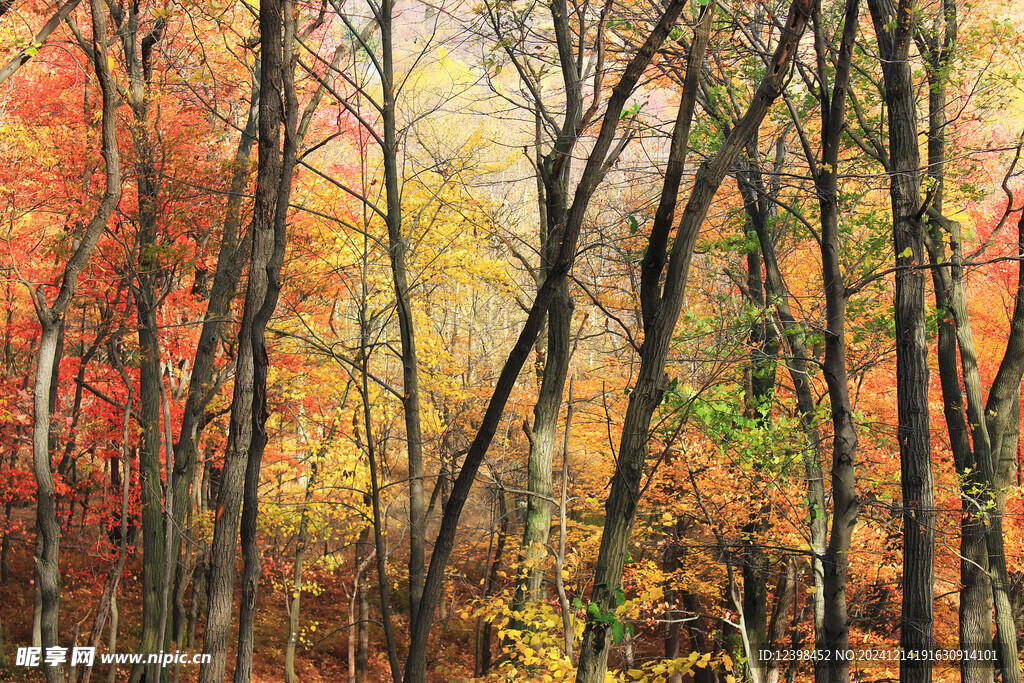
x: 661, y: 305
x: 416, y: 661
x: 231, y: 258
x: 236, y: 472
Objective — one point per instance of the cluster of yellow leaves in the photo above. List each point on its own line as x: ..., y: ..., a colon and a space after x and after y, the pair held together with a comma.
x: 659, y: 671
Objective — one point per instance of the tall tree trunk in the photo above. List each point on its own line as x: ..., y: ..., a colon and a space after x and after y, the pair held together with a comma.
x: 416, y: 662
x: 295, y: 590
x: 240, y: 473
x: 277, y: 167
x: 976, y: 604
x: 764, y: 343
x: 107, y: 602
x: 363, y: 614
x: 47, y: 571
x: 1002, y: 421
x: 846, y: 504
x: 397, y: 248
x: 798, y: 365
x: 146, y: 291
x: 894, y: 28
x: 661, y: 305
x: 231, y: 258
x: 983, y: 526
x: 554, y: 175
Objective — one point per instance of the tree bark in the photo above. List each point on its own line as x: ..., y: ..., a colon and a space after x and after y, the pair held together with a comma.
x: 231, y: 259
x: 240, y: 474
x: 416, y: 662
x: 846, y: 504
x: 397, y: 248
x: 277, y: 167
x: 976, y: 595
x: 894, y: 29
x: 661, y: 306
x: 47, y: 571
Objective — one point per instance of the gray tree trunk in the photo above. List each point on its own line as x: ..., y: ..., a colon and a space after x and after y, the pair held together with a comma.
x: 47, y: 571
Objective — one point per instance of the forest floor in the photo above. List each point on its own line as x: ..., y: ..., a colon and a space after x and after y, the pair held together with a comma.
x: 322, y: 659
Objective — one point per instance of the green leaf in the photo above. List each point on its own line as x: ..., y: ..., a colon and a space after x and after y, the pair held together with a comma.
x: 618, y: 631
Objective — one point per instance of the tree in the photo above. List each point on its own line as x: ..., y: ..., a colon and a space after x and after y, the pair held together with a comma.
x: 894, y: 28
x: 415, y: 667
x: 661, y: 304
x: 51, y: 317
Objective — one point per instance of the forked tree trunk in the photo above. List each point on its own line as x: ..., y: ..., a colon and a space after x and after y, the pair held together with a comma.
x: 975, y: 629
x: 894, y: 27
x: 416, y: 662
x: 553, y: 178
x: 661, y: 305
x: 47, y: 571
x: 237, y: 470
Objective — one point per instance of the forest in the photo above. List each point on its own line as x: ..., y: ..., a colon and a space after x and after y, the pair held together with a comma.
x: 650, y: 341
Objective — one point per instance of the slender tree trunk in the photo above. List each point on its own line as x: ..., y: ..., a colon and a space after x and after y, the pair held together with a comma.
x: 397, y: 248
x: 554, y: 175
x: 296, y: 587
x: 484, y: 628
x: 416, y: 662
x: 568, y: 632
x: 661, y: 305
x: 799, y: 371
x: 47, y: 573
x: 240, y: 473
x: 846, y: 504
x: 112, y: 639
x: 108, y: 596
x: 231, y: 258
x: 277, y: 167
x: 785, y: 595
x: 976, y: 604
x: 363, y: 613
x: 1002, y: 420
x: 764, y: 344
